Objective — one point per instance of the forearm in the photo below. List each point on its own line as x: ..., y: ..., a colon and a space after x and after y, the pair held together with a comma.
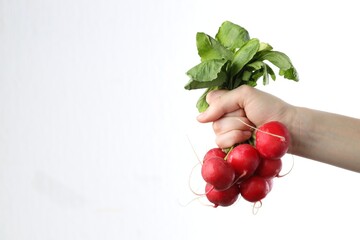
x: 326, y: 137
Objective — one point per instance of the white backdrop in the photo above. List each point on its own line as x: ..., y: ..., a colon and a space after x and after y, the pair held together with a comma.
x: 94, y: 120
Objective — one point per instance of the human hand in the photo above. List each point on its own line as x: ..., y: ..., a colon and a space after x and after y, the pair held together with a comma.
x: 229, y: 110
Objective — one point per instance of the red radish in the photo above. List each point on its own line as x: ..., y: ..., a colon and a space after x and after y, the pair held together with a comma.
x: 269, y: 168
x: 272, y: 140
x: 244, y: 158
x: 214, y: 152
x: 254, y: 189
x: 222, y: 198
x: 218, y: 173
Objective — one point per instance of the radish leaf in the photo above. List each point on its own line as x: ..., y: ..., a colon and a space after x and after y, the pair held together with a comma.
x: 207, y: 74
x: 209, y: 48
x: 265, y: 47
x: 201, y: 104
x: 232, y: 59
x: 244, y: 55
x: 282, y: 61
x: 232, y: 36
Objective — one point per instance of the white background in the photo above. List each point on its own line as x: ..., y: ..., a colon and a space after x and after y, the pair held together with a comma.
x: 94, y: 120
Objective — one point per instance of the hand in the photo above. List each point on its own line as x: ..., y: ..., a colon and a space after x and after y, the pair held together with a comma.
x: 229, y: 109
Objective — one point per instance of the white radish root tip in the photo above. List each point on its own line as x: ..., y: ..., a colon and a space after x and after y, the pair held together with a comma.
x: 257, y: 205
x: 188, y: 203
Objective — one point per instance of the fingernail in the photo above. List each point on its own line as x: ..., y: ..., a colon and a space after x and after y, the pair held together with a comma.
x: 247, y: 133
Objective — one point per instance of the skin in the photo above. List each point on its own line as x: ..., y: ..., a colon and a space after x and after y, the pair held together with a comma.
x: 322, y: 136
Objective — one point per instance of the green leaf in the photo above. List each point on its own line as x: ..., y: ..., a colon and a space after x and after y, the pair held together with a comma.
x: 265, y: 75
x: 207, y: 74
x: 219, y: 81
x: 289, y: 74
x: 252, y: 83
x: 271, y: 72
x: 209, y: 48
x: 244, y: 55
x: 239, y: 80
x: 265, y: 47
x: 207, y: 70
x: 246, y: 75
x: 260, y: 69
x: 257, y: 74
x: 232, y: 36
x: 279, y: 59
x: 282, y: 61
x: 255, y: 65
x: 201, y: 104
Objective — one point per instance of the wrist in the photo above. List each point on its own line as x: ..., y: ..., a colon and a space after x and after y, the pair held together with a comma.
x: 293, y: 122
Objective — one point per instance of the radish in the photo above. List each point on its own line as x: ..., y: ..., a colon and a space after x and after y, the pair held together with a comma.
x: 222, y: 198
x: 214, y: 152
x: 245, y: 159
x: 269, y: 168
x: 272, y: 140
x: 254, y: 189
x: 218, y: 172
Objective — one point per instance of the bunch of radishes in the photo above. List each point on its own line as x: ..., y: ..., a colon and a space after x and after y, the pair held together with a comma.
x: 247, y: 169
x: 231, y: 59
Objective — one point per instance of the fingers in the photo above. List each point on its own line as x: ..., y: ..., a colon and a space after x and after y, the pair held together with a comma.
x: 221, y: 103
x: 231, y: 138
x: 227, y: 124
x: 232, y: 128
x: 213, y: 95
x: 226, y: 111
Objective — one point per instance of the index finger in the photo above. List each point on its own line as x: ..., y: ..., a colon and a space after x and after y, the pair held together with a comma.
x: 213, y: 95
x: 227, y: 102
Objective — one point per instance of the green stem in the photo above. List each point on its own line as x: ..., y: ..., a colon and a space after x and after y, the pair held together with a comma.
x: 228, y: 150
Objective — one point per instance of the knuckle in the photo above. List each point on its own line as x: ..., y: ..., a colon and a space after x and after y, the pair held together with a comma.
x: 217, y: 126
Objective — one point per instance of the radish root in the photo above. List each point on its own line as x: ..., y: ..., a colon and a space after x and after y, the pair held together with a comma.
x: 193, y: 149
x: 189, y: 181
x: 257, y: 205
x: 188, y: 203
x: 256, y: 129
x: 292, y: 166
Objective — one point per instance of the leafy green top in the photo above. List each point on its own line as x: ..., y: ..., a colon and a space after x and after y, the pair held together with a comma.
x: 233, y: 59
